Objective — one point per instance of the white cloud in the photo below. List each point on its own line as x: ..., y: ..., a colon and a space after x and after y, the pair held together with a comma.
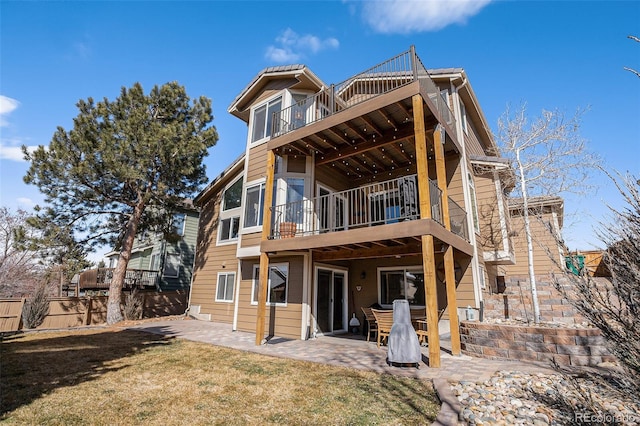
x: 25, y: 202
x: 13, y: 153
x: 7, y: 105
x: 291, y: 46
x: 409, y: 16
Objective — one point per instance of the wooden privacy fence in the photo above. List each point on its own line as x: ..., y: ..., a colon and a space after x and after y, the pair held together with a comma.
x: 11, y: 314
x: 66, y: 312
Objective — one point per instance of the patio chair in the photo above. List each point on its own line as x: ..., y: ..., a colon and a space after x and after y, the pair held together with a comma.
x: 371, y: 322
x: 384, y: 321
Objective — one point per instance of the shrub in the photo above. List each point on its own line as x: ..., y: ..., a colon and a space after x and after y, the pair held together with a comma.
x: 132, y: 308
x: 36, y: 307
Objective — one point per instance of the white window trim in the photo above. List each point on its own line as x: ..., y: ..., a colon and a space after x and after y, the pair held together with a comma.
x: 246, y: 186
x: 251, y: 119
x: 229, y: 214
x: 226, y: 284
x: 463, y: 118
x: 410, y: 268
x: 254, y: 285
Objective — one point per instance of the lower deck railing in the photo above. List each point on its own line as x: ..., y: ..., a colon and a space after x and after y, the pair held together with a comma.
x: 100, y: 278
x: 380, y: 203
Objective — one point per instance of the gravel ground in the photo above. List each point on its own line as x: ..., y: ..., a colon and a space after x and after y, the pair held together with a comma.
x: 515, y: 398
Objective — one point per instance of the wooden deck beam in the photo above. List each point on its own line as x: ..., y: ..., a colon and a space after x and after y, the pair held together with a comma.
x: 428, y: 256
x: 449, y: 268
x: 263, y: 281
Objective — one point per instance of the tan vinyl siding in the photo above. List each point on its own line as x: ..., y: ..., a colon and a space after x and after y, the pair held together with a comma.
x: 543, y: 240
x: 272, y: 88
x: 210, y: 260
x: 251, y: 240
x: 326, y: 177
x: 257, y: 162
x: 454, y: 189
x: 282, y: 321
x: 472, y: 142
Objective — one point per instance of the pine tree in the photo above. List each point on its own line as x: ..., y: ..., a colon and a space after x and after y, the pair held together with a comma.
x: 125, y: 166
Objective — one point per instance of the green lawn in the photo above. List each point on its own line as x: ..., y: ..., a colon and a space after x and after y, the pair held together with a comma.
x: 113, y: 376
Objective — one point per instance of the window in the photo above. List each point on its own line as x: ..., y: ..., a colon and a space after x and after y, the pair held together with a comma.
x: 232, y: 196
x: 263, y: 118
x: 295, y: 194
x: 230, y: 213
x: 403, y: 283
x: 254, y: 205
x: 278, y: 280
x: 226, y: 284
x: 171, y: 265
x: 178, y: 223
x: 474, y: 204
x: 228, y: 230
x: 154, y: 263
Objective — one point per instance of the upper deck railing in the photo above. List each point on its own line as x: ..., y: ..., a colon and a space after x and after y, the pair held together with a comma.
x: 383, y: 78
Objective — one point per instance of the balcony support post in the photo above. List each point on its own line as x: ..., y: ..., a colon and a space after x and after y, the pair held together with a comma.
x: 449, y: 268
x: 263, y: 280
x: 428, y: 255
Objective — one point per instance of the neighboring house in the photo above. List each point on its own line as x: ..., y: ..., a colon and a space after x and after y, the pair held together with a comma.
x: 350, y: 195
x: 154, y: 263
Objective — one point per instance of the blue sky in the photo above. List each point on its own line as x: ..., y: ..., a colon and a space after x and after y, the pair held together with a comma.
x: 564, y: 55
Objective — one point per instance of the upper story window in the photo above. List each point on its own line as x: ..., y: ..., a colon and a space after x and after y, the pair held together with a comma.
x: 178, y: 223
x: 232, y: 196
x: 254, y: 205
x: 229, y: 224
x: 263, y: 118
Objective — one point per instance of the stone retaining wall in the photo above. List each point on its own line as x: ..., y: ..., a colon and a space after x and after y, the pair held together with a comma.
x: 515, y: 302
x: 567, y: 346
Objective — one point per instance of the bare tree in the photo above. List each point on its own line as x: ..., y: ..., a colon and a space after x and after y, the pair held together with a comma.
x: 549, y: 158
x: 636, y: 72
x: 614, y: 306
x: 19, y: 267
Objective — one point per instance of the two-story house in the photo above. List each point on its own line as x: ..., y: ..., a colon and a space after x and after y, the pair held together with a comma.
x: 350, y: 195
x: 155, y: 263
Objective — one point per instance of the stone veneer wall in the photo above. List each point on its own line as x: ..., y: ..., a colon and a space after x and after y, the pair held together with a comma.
x: 515, y: 302
x: 567, y: 346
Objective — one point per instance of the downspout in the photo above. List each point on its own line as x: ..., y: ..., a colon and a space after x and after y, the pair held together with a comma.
x: 193, y: 268
x: 234, y: 325
x: 307, y: 275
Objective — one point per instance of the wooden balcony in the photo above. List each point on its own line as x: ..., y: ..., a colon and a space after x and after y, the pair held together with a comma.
x: 100, y: 279
x: 347, y: 219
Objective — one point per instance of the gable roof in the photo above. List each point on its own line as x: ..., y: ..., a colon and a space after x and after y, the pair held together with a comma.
x: 305, y: 77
